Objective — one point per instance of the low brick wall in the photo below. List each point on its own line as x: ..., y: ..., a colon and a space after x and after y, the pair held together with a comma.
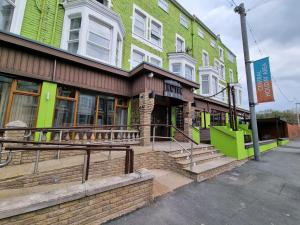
x: 100, y: 169
x: 293, y: 131
x: 91, y: 203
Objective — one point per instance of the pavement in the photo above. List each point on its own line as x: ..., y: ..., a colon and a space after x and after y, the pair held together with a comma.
x: 257, y: 193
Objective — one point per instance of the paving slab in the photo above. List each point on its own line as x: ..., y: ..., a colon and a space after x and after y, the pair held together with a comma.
x: 256, y: 193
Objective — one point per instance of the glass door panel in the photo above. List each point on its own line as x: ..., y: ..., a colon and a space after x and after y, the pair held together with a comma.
x: 5, y: 87
x: 64, y: 113
x: 86, y: 109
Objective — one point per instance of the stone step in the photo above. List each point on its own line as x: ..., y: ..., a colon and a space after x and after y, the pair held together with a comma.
x: 180, y: 156
x: 201, y: 159
x: 212, y: 168
x: 196, y: 148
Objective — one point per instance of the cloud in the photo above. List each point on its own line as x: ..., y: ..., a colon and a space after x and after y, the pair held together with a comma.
x: 274, y: 25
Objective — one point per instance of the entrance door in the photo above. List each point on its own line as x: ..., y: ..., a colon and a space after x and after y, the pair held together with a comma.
x: 160, y: 115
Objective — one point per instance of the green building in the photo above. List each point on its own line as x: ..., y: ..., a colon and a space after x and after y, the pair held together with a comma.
x: 98, y: 62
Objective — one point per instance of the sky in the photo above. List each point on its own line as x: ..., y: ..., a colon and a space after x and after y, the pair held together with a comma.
x: 275, y: 26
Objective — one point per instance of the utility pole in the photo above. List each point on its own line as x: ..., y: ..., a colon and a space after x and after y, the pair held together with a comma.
x: 297, y: 112
x: 241, y: 10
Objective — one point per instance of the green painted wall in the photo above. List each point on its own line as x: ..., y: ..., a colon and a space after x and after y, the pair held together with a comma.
x: 196, y: 135
x: 43, y: 21
x: 283, y: 142
x: 47, y: 105
x: 231, y: 143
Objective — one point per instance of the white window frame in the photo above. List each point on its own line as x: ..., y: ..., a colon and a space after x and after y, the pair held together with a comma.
x: 18, y: 16
x: 213, y: 43
x: 231, y: 76
x: 164, y: 5
x: 103, y: 14
x: 221, y: 54
x: 201, y: 33
x: 147, y: 38
x: 222, y: 72
x: 201, y: 84
x: 79, y: 29
x: 230, y: 57
x: 184, y: 20
x: 222, y: 95
x: 177, y: 36
x: 203, y: 64
x: 147, y: 55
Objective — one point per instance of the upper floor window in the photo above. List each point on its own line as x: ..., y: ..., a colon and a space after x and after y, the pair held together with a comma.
x: 164, y: 5
x: 155, y: 33
x: 205, y: 59
x: 231, y: 79
x: 73, y: 42
x: 183, y: 65
x: 11, y: 15
x: 104, y: 2
x: 94, y: 31
x: 184, y: 21
x: 205, y: 87
x: 7, y: 8
x: 141, y: 23
x: 230, y: 56
x: 214, y: 85
x: 98, y: 42
x: 213, y: 43
x: 201, y: 32
x: 180, y: 44
x: 189, y: 72
x: 221, y: 53
x: 222, y: 71
x: 139, y: 55
x: 176, y: 68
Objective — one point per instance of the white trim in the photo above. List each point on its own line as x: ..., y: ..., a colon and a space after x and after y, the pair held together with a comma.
x: 203, y: 51
x: 164, y: 5
x: 147, y: 55
x: 177, y: 36
x: 213, y: 43
x: 87, y: 9
x: 17, y: 20
x: 184, y: 20
x: 147, y: 38
x: 221, y: 57
x: 231, y: 78
x: 201, y: 32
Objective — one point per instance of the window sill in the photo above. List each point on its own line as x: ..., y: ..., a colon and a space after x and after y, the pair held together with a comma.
x: 147, y: 42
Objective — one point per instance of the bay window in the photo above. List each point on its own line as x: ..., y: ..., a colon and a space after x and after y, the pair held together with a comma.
x: 205, y: 87
x: 98, y: 42
x: 189, y: 72
x: 214, y: 85
x: 73, y: 42
x: 222, y: 71
x: 94, y: 31
x: 147, y: 29
x: 176, y: 68
x: 182, y: 65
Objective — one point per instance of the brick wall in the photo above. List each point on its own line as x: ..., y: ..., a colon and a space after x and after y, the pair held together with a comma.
x: 70, y: 207
x: 100, y: 169
x: 293, y: 131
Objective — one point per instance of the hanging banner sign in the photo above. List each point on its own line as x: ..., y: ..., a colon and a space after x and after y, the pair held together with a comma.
x: 264, y: 89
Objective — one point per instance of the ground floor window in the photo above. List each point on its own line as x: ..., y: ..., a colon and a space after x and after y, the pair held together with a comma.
x: 80, y: 108
x: 197, y: 119
x: 217, y: 118
x: 179, y: 118
x: 19, y: 100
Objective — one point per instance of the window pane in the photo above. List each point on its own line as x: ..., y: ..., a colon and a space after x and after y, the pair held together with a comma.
x: 27, y: 86
x: 106, y: 110
x: 97, y: 52
x: 214, y: 85
x: 155, y: 33
x: 6, y: 14
x: 86, y: 109
x: 5, y: 85
x: 74, y: 35
x: 121, y: 117
x: 65, y: 91
x: 188, y: 72
x: 179, y: 45
x: 73, y: 47
x: 75, y: 23
x: 99, y: 40
x: 64, y: 113
x: 137, y: 58
x: 205, y: 84
x: 155, y: 62
x: 176, y: 68
x: 139, y: 24
x: 24, y: 109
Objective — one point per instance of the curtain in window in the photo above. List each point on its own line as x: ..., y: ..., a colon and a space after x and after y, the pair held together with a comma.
x: 64, y: 113
x: 24, y: 108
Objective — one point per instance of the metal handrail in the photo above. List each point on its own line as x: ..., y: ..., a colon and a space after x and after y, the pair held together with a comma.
x: 46, y: 146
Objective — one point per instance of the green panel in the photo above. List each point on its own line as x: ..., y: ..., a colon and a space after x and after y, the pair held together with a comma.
x: 173, y: 120
x: 47, y: 105
x: 196, y: 135
x: 283, y: 142
x: 43, y: 21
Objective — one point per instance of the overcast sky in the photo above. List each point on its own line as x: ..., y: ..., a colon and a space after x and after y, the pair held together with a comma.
x: 276, y: 27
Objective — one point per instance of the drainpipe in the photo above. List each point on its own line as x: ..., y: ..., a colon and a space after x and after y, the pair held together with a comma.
x: 55, y: 21
x: 193, y: 21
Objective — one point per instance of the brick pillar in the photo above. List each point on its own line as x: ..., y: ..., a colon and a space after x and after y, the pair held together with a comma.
x: 188, y: 112
x: 146, y: 106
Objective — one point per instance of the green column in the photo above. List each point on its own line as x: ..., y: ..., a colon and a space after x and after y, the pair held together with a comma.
x: 47, y: 105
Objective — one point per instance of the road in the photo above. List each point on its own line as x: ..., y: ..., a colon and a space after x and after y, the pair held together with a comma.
x: 257, y: 193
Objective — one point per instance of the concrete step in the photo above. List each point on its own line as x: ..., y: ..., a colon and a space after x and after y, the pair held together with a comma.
x: 181, y: 156
x: 196, y: 148
x: 212, y: 168
x: 200, y: 159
